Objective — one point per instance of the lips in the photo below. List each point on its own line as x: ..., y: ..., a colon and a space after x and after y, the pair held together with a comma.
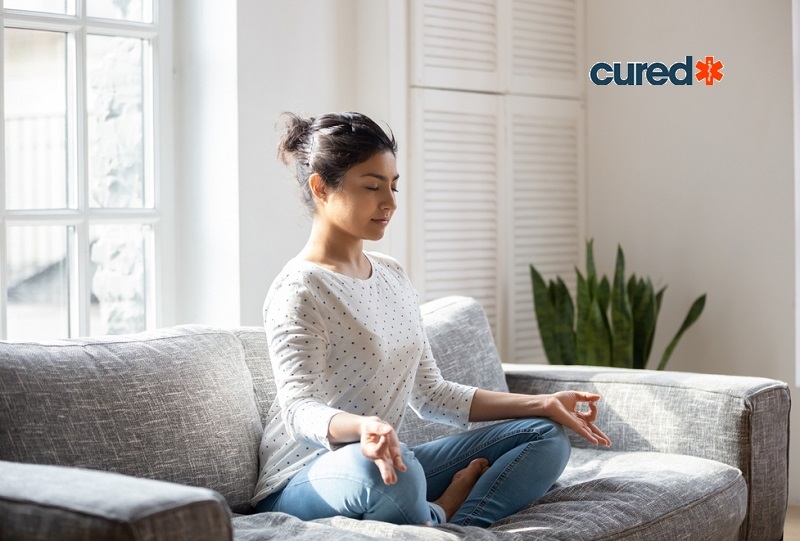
x: 381, y: 221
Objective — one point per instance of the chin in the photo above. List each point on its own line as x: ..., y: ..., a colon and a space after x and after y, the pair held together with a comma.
x: 373, y: 235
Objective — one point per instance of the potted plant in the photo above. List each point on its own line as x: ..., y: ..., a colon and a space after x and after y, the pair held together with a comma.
x: 614, y: 324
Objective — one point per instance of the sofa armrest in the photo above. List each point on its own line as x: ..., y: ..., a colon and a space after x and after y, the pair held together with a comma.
x: 740, y: 421
x: 39, y: 502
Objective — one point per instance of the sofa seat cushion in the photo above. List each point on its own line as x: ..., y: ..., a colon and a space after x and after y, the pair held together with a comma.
x: 174, y: 405
x: 606, y: 495
x: 602, y: 495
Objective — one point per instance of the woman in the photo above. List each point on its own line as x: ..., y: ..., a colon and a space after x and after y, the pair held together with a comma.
x: 349, y: 352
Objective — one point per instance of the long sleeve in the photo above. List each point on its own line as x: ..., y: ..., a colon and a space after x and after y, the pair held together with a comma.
x: 436, y: 399
x: 298, y: 347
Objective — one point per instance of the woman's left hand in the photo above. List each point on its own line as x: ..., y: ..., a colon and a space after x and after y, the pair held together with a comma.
x: 562, y: 407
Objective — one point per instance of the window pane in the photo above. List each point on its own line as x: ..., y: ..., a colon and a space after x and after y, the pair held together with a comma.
x: 116, y: 122
x: 35, y: 103
x: 126, y: 10
x: 38, y: 282
x: 49, y: 6
x: 118, y: 278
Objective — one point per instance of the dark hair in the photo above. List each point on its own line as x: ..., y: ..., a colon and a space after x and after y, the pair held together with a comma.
x: 330, y: 145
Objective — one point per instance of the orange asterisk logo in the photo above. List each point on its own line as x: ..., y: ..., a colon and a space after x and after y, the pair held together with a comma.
x: 709, y: 70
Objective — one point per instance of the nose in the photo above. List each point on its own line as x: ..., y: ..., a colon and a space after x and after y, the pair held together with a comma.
x: 390, y: 202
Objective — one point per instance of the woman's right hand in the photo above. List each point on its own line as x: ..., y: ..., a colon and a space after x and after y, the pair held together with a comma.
x: 379, y: 443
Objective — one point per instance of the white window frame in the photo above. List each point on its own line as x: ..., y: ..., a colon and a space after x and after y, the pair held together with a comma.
x: 159, y: 258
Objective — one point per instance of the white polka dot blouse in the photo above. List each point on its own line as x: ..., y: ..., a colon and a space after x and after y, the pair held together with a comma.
x: 342, y: 344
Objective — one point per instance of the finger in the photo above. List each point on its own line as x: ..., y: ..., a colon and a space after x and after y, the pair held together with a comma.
x: 398, y: 462
x: 582, y: 429
x: 605, y: 440
x: 589, y: 435
x: 387, y: 471
x: 587, y: 397
x: 589, y: 416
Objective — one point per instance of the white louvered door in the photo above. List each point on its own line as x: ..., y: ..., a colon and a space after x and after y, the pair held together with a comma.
x: 457, y: 156
x: 545, y: 198
x: 546, y: 47
x: 496, y: 155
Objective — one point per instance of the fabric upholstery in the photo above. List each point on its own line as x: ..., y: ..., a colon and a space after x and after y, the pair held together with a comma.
x: 175, y: 405
x: 39, y: 503
x: 637, y: 496
x: 742, y: 422
x: 256, y: 355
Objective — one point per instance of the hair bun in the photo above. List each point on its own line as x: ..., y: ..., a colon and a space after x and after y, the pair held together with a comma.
x: 296, y: 139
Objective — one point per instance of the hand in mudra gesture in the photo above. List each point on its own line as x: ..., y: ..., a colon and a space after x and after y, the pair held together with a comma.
x: 564, y: 407
x: 379, y: 443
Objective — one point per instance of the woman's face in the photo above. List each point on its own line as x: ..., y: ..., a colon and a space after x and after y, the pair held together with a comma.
x: 366, y: 201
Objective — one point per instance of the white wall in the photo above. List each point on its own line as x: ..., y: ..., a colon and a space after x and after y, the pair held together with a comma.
x: 697, y: 183
x: 240, y: 215
x: 207, y: 171
x: 304, y: 56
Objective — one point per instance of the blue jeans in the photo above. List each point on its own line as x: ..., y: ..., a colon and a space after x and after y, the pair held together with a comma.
x: 526, y: 456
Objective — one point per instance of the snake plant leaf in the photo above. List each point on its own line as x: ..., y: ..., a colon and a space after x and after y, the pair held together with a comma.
x: 633, y: 284
x: 644, y: 322
x: 603, y: 295
x: 591, y: 272
x: 597, y: 337
x: 545, y: 316
x: 621, y: 318
x: 583, y: 301
x: 691, y: 317
x: 649, y: 343
x: 565, y: 321
x: 659, y: 296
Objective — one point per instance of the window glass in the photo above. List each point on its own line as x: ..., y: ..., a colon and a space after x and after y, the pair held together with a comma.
x: 35, y: 104
x: 38, y: 281
x: 126, y: 10
x: 118, y: 267
x: 48, y: 6
x: 115, y: 122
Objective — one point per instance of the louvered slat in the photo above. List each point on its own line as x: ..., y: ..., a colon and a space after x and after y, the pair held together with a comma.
x: 546, y: 202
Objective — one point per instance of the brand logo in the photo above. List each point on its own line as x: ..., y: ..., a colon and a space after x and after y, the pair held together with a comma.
x: 709, y: 70
x: 656, y: 73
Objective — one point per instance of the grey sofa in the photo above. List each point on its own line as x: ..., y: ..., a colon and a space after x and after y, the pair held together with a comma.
x: 155, y: 436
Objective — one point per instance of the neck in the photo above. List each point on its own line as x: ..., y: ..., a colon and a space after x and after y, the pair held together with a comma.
x: 341, y: 253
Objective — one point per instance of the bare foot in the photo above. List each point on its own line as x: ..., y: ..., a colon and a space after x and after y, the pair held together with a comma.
x: 460, y: 486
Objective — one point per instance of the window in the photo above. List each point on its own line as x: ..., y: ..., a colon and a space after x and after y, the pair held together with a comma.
x: 82, y: 213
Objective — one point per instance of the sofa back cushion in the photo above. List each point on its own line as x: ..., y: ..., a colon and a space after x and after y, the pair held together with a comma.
x: 174, y: 404
x: 256, y: 355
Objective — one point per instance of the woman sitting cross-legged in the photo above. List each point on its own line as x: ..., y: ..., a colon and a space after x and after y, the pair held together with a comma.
x: 349, y: 353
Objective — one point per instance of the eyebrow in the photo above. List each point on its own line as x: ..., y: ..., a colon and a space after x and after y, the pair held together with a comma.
x: 379, y: 177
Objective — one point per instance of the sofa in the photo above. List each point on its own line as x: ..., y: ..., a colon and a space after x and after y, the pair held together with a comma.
x: 155, y: 436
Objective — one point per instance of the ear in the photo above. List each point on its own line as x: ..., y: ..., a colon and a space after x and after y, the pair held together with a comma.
x: 317, y: 185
